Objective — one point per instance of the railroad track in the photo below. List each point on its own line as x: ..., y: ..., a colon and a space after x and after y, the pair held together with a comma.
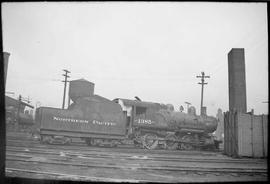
x: 140, y: 166
x: 78, y: 161
x: 97, y: 155
x: 120, y: 149
x: 55, y: 175
x: 137, y: 164
x: 167, y: 155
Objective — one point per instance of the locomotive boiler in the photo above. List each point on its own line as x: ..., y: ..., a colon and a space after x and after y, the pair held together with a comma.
x: 100, y: 121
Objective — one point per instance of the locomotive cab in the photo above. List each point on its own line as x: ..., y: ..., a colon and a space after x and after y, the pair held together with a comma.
x: 137, y: 112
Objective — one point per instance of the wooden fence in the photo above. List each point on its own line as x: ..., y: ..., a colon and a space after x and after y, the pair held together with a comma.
x: 245, y: 135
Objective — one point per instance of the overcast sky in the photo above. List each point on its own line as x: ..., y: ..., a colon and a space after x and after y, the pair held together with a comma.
x: 153, y: 50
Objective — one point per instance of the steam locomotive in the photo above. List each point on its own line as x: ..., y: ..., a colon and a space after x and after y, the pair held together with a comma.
x: 100, y: 121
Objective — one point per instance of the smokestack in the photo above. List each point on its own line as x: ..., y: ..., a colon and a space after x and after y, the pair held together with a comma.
x: 6, y: 57
x: 237, y: 80
x: 204, y: 111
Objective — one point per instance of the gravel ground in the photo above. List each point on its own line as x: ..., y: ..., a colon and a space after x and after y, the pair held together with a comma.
x: 126, y: 164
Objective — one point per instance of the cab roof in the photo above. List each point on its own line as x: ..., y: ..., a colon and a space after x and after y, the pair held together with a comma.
x: 129, y: 102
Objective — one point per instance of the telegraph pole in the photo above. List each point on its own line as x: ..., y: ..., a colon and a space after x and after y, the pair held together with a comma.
x: 65, y: 85
x: 202, y: 83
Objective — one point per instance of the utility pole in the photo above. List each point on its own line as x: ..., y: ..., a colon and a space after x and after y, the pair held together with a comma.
x: 65, y: 85
x: 202, y: 83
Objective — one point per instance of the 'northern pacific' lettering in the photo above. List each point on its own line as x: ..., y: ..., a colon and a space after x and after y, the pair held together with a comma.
x: 70, y: 120
x: 95, y: 122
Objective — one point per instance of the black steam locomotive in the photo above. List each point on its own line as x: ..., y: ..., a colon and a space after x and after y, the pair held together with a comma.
x: 100, y: 121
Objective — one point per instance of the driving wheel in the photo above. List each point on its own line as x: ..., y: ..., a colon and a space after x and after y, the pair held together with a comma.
x: 170, y: 142
x: 150, y: 141
x: 188, y: 139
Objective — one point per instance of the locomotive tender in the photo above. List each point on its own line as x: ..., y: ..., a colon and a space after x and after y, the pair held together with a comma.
x: 100, y: 121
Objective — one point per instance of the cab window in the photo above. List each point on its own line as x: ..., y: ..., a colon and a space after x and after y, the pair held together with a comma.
x: 140, y: 110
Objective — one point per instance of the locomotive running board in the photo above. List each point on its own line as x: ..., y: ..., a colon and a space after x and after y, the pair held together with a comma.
x: 191, y: 130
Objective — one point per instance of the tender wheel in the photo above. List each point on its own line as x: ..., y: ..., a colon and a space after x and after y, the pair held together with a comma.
x: 170, y: 142
x: 95, y: 142
x: 50, y: 140
x: 187, y: 146
x: 88, y: 141
x: 115, y: 142
x: 67, y: 141
x: 42, y: 140
x: 149, y: 141
x: 46, y: 140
